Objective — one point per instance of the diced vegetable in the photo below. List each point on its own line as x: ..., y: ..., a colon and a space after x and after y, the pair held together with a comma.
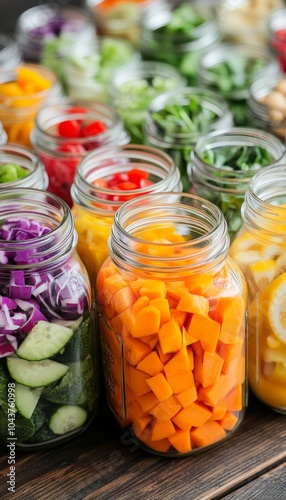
x: 35, y: 373
x: 67, y: 419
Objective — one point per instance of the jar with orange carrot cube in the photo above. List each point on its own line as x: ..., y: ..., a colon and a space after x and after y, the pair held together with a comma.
x: 171, y: 319
x: 23, y: 91
x: 260, y: 251
x: 104, y: 180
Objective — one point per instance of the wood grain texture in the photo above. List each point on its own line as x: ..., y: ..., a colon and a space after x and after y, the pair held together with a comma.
x: 103, y: 463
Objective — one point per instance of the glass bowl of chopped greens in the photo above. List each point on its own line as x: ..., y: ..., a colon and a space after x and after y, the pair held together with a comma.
x: 89, y: 69
x: 179, y: 33
x: 231, y: 69
x: 21, y: 167
x: 222, y: 164
x: 175, y: 120
x: 133, y: 87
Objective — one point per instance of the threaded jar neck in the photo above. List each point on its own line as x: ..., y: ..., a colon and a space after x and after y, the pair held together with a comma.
x: 198, y: 235
x: 36, y: 176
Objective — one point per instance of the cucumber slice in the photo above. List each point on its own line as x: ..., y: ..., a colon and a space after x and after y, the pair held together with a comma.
x: 26, y: 399
x: 67, y: 419
x: 44, y: 341
x: 35, y: 373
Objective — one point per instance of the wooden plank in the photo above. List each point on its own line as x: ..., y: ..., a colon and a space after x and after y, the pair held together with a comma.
x: 272, y: 484
x: 104, y: 463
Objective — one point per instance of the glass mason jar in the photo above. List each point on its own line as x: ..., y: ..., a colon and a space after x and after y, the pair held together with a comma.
x: 90, y: 69
x: 9, y: 53
x: 104, y: 180
x: 175, y: 120
x: 266, y: 105
x: 119, y: 18
x: 171, y: 309
x: 276, y: 31
x: 133, y: 87
x: 66, y: 131
x: 245, y: 22
x: 222, y: 164
x: 47, y: 34
x: 231, y: 69
x: 20, y: 167
x: 23, y: 91
x: 179, y: 33
x: 260, y: 251
x: 48, y: 346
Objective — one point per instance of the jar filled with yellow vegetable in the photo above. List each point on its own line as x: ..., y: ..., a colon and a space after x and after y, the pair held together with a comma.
x: 260, y: 251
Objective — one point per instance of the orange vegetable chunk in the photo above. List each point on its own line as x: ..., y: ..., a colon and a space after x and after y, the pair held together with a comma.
x: 207, y: 434
x: 148, y: 401
x: 151, y: 364
x: 137, y: 381
x: 122, y: 323
x: 178, y: 364
x: 181, y: 441
x: 161, y: 446
x: 162, y: 429
x: 179, y: 316
x: 213, y: 394
x: 194, y: 415
x: 181, y: 382
x: 230, y: 313
x: 152, y: 288
x: 146, y: 322
x: 163, y: 305
x: 159, y: 385
x: 233, y: 400
x: 211, y: 368
x: 140, y: 424
x: 170, y: 337
x: 206, y: 330
x: 228, y: 421
x: 191, y: 303
x: 135, y: 350
x: 122, y: 299
x: 166, y: 409
x: 141, y: 302
x: 218, y: 412
x: 188, y: 396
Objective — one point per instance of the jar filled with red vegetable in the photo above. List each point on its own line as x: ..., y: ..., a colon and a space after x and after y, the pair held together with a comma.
x: 171, y: 311
x: 48, y: 360
x: 66, y: 131
x: 260, y: 251
x: 23, y: 91
x: 104, y: 180
x: 20, y: 167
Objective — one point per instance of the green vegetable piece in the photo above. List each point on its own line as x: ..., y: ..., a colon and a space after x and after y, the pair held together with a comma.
x: 10, y: 172
x: 26, y: 399
x: 4, y: 379
x: 35, y: 373
x: 67, y: 419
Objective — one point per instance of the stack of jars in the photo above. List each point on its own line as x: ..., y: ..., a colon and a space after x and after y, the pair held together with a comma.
x: 125, y: 189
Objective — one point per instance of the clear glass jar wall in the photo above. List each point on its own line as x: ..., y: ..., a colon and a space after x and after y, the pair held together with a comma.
x: 20, y: 167
x: 171, y: 309
x: 48, y: 346
x: 104, y: 180
x: 259, y: 250
x: 175, y: 120
x: 9, y: 53
x: 222, y: 164
x: 66, y: 131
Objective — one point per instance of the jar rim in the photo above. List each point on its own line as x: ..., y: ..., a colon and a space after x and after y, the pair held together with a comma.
x: 14, y: 153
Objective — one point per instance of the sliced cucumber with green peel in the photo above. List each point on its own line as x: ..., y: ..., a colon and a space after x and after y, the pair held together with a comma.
x: 44, y: 341
x: 35, y: 373
x: 67, y: 419
x: 26, y: 399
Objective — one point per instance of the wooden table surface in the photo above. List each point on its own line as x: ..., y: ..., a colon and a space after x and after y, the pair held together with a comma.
x: 104, y: 464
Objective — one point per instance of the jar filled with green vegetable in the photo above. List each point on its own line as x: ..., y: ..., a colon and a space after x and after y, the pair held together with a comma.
x: 20, y: 167
x: 48, y: 365
x: 104, y: 180
x: 222, y: 164
x: 175, y: 121
x: 231, y: 69
x: 89, y: 69
x: 171, y: 309
x: 9, y: 52
x: 133, y: 87
x: 179, y: 33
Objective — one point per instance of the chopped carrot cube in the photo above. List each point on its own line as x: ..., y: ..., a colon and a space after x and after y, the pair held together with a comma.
x: 178, y: 364
x: 151, y: 364
x: 193, y: 304
x: 218, y: 412
x: 159, y: 385
x: 217, y: 392
x: 228, y: 421
x: 211, y: 368
x: 170, y: 337
x: 179, y: 316
x: 135, y: 350
x: 163, y: 305
x: 181, y: 382
x: 207, y: 434
x: 194, y: 415
x: 141, y: 302
x: 166, y: 409
x: 206, y: 330
x: 137, y: 381
x: 148, y: 401
x: 181, y: 441
x: 146, y: 322
x: 162, y: 429
x: 188, y: 396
